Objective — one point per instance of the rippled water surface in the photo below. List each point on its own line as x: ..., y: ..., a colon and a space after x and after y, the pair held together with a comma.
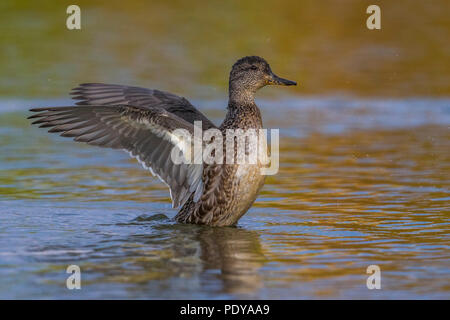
x: 361, y: 182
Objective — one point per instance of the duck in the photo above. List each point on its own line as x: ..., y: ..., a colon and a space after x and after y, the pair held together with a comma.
x: 141, y: 122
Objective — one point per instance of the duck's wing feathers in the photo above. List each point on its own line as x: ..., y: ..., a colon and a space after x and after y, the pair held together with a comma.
x: 146, y: 134
x: 114, y: 94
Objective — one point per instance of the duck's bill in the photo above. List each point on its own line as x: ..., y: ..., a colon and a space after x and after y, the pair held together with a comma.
x: 282, y: 82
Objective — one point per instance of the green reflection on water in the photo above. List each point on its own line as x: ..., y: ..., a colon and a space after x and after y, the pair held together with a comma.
x: 188, y: 47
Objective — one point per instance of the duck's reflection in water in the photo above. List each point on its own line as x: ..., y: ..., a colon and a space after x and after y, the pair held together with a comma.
x: 237, y: 253
x: 152, y: 253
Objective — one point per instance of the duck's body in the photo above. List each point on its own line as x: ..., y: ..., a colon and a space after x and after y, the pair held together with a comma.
x: 229, y: 189
x: 140, y: 121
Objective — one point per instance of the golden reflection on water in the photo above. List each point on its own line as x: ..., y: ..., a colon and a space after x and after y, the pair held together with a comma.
x: 367, y: 191
x: 339, y: 203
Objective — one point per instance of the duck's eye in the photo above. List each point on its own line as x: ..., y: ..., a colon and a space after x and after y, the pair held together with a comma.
x: 253, y: 68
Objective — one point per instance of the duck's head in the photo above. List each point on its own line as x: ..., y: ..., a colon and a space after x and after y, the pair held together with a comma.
x: 252, y: 73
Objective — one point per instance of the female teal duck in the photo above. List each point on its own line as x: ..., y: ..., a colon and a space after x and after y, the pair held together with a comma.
x: 141, y: 121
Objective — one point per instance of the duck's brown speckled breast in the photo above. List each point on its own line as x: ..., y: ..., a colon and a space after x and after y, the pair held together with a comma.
x: 229, y: 190
x: 248, y: 181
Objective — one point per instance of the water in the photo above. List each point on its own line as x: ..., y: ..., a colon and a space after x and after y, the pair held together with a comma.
x: 364, y: 168
x: 361, y: 182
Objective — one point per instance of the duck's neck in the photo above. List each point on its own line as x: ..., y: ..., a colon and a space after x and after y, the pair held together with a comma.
x: 242, y: 110
x: 240, y: 96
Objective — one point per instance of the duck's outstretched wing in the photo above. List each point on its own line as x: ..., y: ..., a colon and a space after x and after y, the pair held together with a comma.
x: 146, y: 134
x: 114, y: 94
